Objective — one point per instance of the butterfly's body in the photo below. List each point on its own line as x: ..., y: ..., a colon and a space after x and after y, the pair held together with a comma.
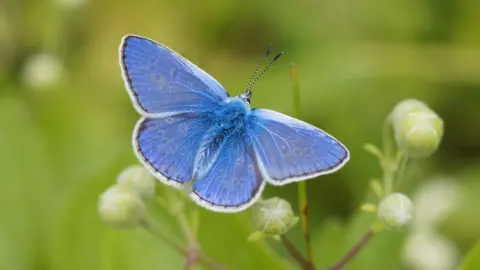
x: 228, y: 119
x: 232, y: 115
x: 192, y: 131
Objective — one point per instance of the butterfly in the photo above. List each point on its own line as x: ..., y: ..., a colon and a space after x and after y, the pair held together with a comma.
x: 192, y: 133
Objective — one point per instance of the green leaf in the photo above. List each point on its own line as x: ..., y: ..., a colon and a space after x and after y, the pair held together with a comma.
x: 25, y: 187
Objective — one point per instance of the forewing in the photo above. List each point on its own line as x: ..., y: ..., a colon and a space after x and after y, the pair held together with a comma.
x: 290, y: 150
x: 168, y: 145
x: 161, y: 82
x: 234, y: 180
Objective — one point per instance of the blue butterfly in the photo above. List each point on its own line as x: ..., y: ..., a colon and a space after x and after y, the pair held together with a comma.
x: 193, y: 133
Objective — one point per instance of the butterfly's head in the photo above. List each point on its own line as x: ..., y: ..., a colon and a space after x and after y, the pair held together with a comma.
x: 237, y: 105
x: 247, y: 93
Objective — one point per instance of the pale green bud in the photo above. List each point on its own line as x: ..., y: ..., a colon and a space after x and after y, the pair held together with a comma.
x: 369, y: 208
x: 403, y: 108
x: 396, y: 210
x: 274, y: 216
x: 138, y: 179
x: 418, y: 130
x: 121, y: 208
x: 256, y: 236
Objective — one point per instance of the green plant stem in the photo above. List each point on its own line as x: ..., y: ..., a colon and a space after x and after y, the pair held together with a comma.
x: 187, y: 231
x: 159, y: 235
x: 388, y: 180
x: 201, y: 259
x: 354, y: 250
x: 296, y: 255
x: 302, y: 185
x: 402, y: 168
x: 295, y: 91
x: 303, y: 204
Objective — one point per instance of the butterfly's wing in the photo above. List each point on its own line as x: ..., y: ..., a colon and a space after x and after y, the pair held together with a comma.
x: 161, y: 82
x: 167, y: 146
x: 290, y: 150
x: 234, y: 181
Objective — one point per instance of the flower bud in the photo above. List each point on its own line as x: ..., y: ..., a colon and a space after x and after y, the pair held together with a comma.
x: 121, y: 207
x: 138, y: 179
x: 274, y: 216
x: 255, y: 236
x: 405, y: 107
x: 369, y: 208
x: 418, y: 129
x: 395, y: 210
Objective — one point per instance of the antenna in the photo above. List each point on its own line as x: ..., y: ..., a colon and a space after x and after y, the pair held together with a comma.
x: 247, y: 94
x: 265, y: 70
x: 267, y: 53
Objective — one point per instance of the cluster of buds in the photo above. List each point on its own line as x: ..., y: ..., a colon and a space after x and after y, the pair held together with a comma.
x: 122, y: 205
x: 418, y: 131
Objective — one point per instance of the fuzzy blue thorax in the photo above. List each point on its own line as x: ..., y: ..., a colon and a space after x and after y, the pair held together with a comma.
x: 232, y: 114
x: 229, y: 119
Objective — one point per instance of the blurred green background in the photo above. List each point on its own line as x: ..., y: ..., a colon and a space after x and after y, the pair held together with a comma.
x: 66, y: 122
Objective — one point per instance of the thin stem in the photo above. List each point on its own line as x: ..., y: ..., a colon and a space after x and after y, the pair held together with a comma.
x: 303, y: 204
x: 302, y: 185
x: 293, y: 251
x: 354, y: 250
x: 388, y: 179
x: 192, y: 257
x: 201, y: 259
x: 189, y: 231
x: 158, y: 234
x: 295, y: 91
x: 185, y: 227
x: 401, y: 171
